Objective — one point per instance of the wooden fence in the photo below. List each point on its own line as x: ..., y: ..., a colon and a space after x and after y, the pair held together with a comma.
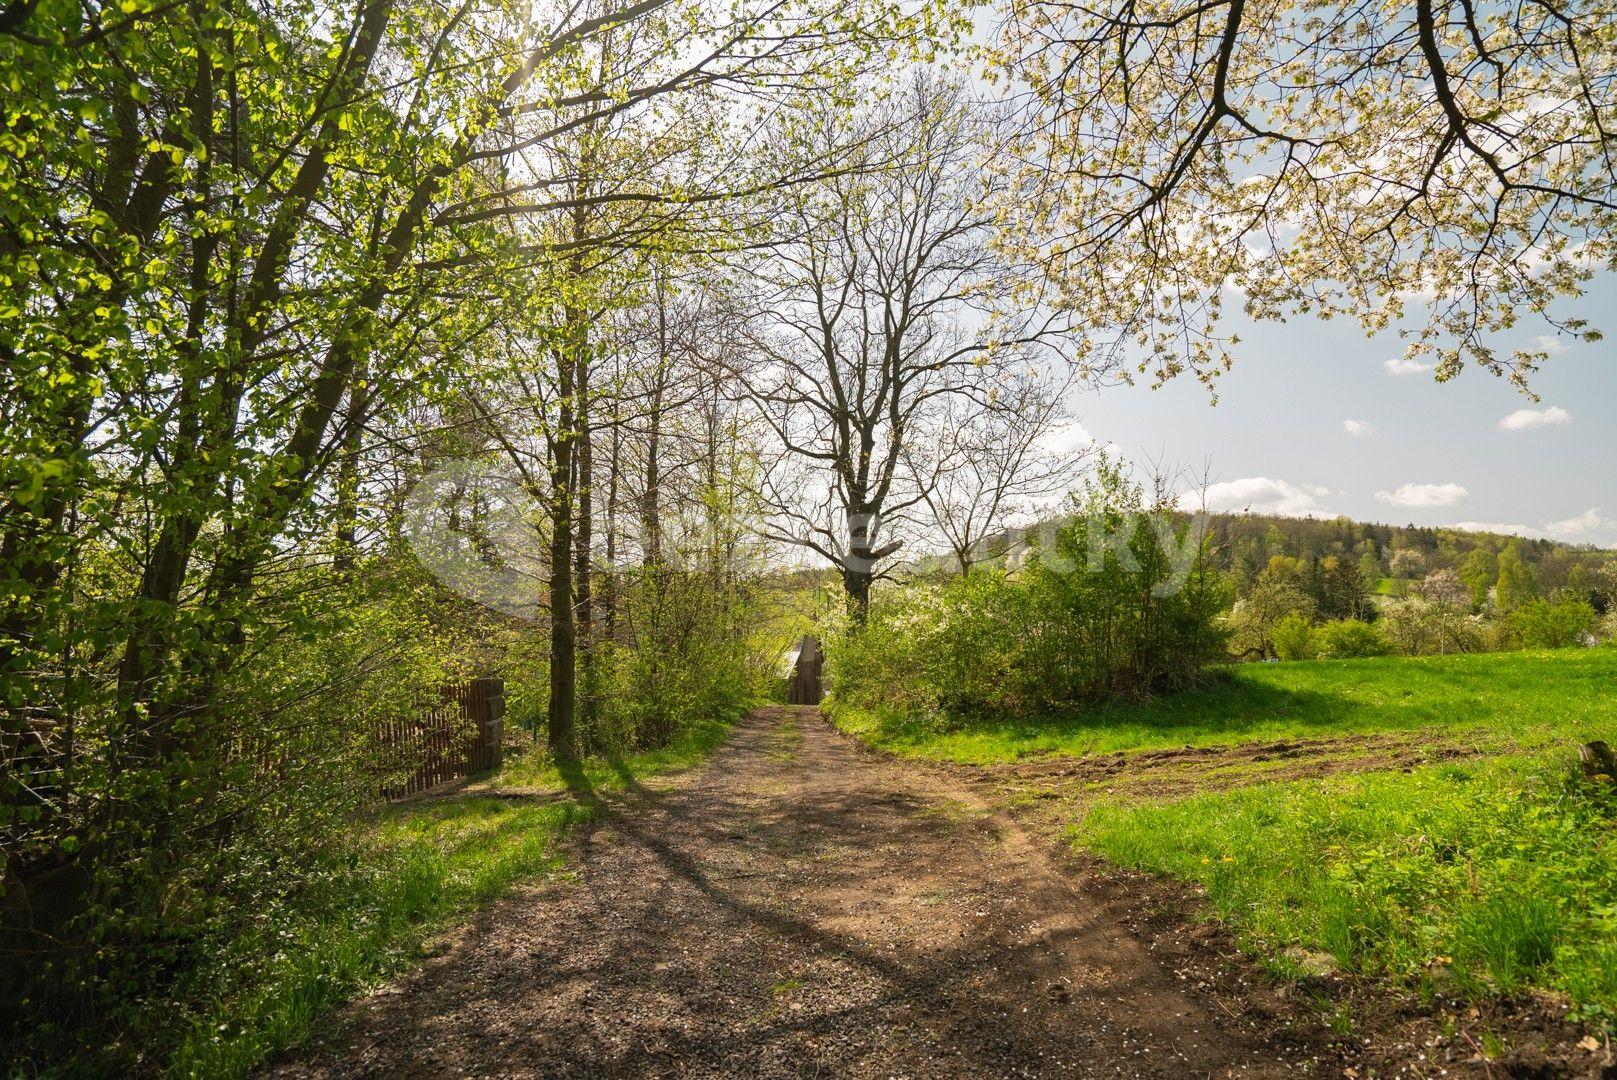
x: 460, y: 736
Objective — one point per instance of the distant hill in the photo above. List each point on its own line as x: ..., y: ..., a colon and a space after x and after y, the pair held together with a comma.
x: 1243, y: 544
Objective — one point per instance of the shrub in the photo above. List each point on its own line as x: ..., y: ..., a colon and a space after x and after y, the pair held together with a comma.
x: 1292, y: 637
x: 1344, y: 639
x: 1552, y: 624
x: 683, y: 657
x: 1100, y: 608
x: 1418, y: 627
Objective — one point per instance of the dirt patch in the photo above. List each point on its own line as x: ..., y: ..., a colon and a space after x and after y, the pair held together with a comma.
x: 1177, y: 772
x: 801, y: 906
x: 798, y: 907
x: 1372, y: 1029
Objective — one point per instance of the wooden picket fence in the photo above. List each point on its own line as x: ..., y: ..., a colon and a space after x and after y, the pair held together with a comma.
x: 459, y: 736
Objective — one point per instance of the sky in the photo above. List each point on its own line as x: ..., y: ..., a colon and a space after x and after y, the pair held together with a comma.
x: 1317, y: 419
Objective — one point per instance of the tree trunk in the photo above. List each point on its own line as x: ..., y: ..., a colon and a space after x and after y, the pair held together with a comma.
x: 583, y: 540
x: 609, y: 590
x: 347, y: 532
x: 650, y: 524
x: 856, y: 583
x: 560, y: 733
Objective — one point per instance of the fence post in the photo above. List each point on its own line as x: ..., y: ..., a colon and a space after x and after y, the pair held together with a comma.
x: 485, y: 707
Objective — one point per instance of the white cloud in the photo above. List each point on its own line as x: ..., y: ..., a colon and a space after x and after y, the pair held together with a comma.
x: 1357, y: 428
x: 1067, y: 438
x: 1590, y: 527
x: 1406, y: 365
x: 1551, y: 344
x: 1522, y: 419
x: 1416, y: 496
x: 1580, y: 526
x: 1260, y: 495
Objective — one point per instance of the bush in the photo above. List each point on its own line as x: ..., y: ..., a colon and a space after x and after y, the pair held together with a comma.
x: 1344, y: 639
x: 238, y: 843
x: 1100, y: 608
x: 683, y: 658
x: 1418, y: 627
x: 1292, y: 637
x: 1547, y: 624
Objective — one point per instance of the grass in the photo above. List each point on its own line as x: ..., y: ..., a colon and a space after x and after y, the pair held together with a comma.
x: 1481, y: 878
x: 1391, y: 586
x: 1498, y: 700
x: 417, y: 868
x: 535, y: 772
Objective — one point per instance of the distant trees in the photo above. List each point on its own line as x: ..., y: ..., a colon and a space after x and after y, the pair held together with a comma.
x: 1428, y: 625
x: 1479, y: 572
x: 1278, y: 594
x: 1328, y: 588
x: 1516, y: 584
x: 1407, y: 563
x: 1467, y: 603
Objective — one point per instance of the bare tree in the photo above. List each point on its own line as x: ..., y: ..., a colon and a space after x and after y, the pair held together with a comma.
x: 980, y: 472
x: 882, y: 303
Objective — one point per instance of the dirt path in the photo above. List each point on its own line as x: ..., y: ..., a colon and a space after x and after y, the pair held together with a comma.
x: 800, y: 907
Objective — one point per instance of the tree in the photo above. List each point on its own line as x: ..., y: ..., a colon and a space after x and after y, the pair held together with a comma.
x: 1335, y: 161
x: 1343, y: 592
x: 980, y: 470
x: 881, y: 303
x: 1369, y: 566
x: 237, y: 244
x: 1277, y: 594
x: 1407, y: 562
x: 1479, y: 572
x: 1516, y: 584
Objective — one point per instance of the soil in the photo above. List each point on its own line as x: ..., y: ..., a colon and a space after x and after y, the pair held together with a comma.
x: 802, y: 906
x: 1176, y: 772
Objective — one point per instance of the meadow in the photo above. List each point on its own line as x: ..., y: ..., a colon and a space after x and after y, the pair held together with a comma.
x: 1489, y: 873
x: 1515, y: 700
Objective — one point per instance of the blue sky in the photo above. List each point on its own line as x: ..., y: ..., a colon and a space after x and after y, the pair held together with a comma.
x: 1427, y: 453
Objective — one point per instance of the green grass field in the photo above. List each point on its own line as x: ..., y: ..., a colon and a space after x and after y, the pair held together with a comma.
x: 1515, y: 700
x: 1479, y: 876
x: 419, y: 868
